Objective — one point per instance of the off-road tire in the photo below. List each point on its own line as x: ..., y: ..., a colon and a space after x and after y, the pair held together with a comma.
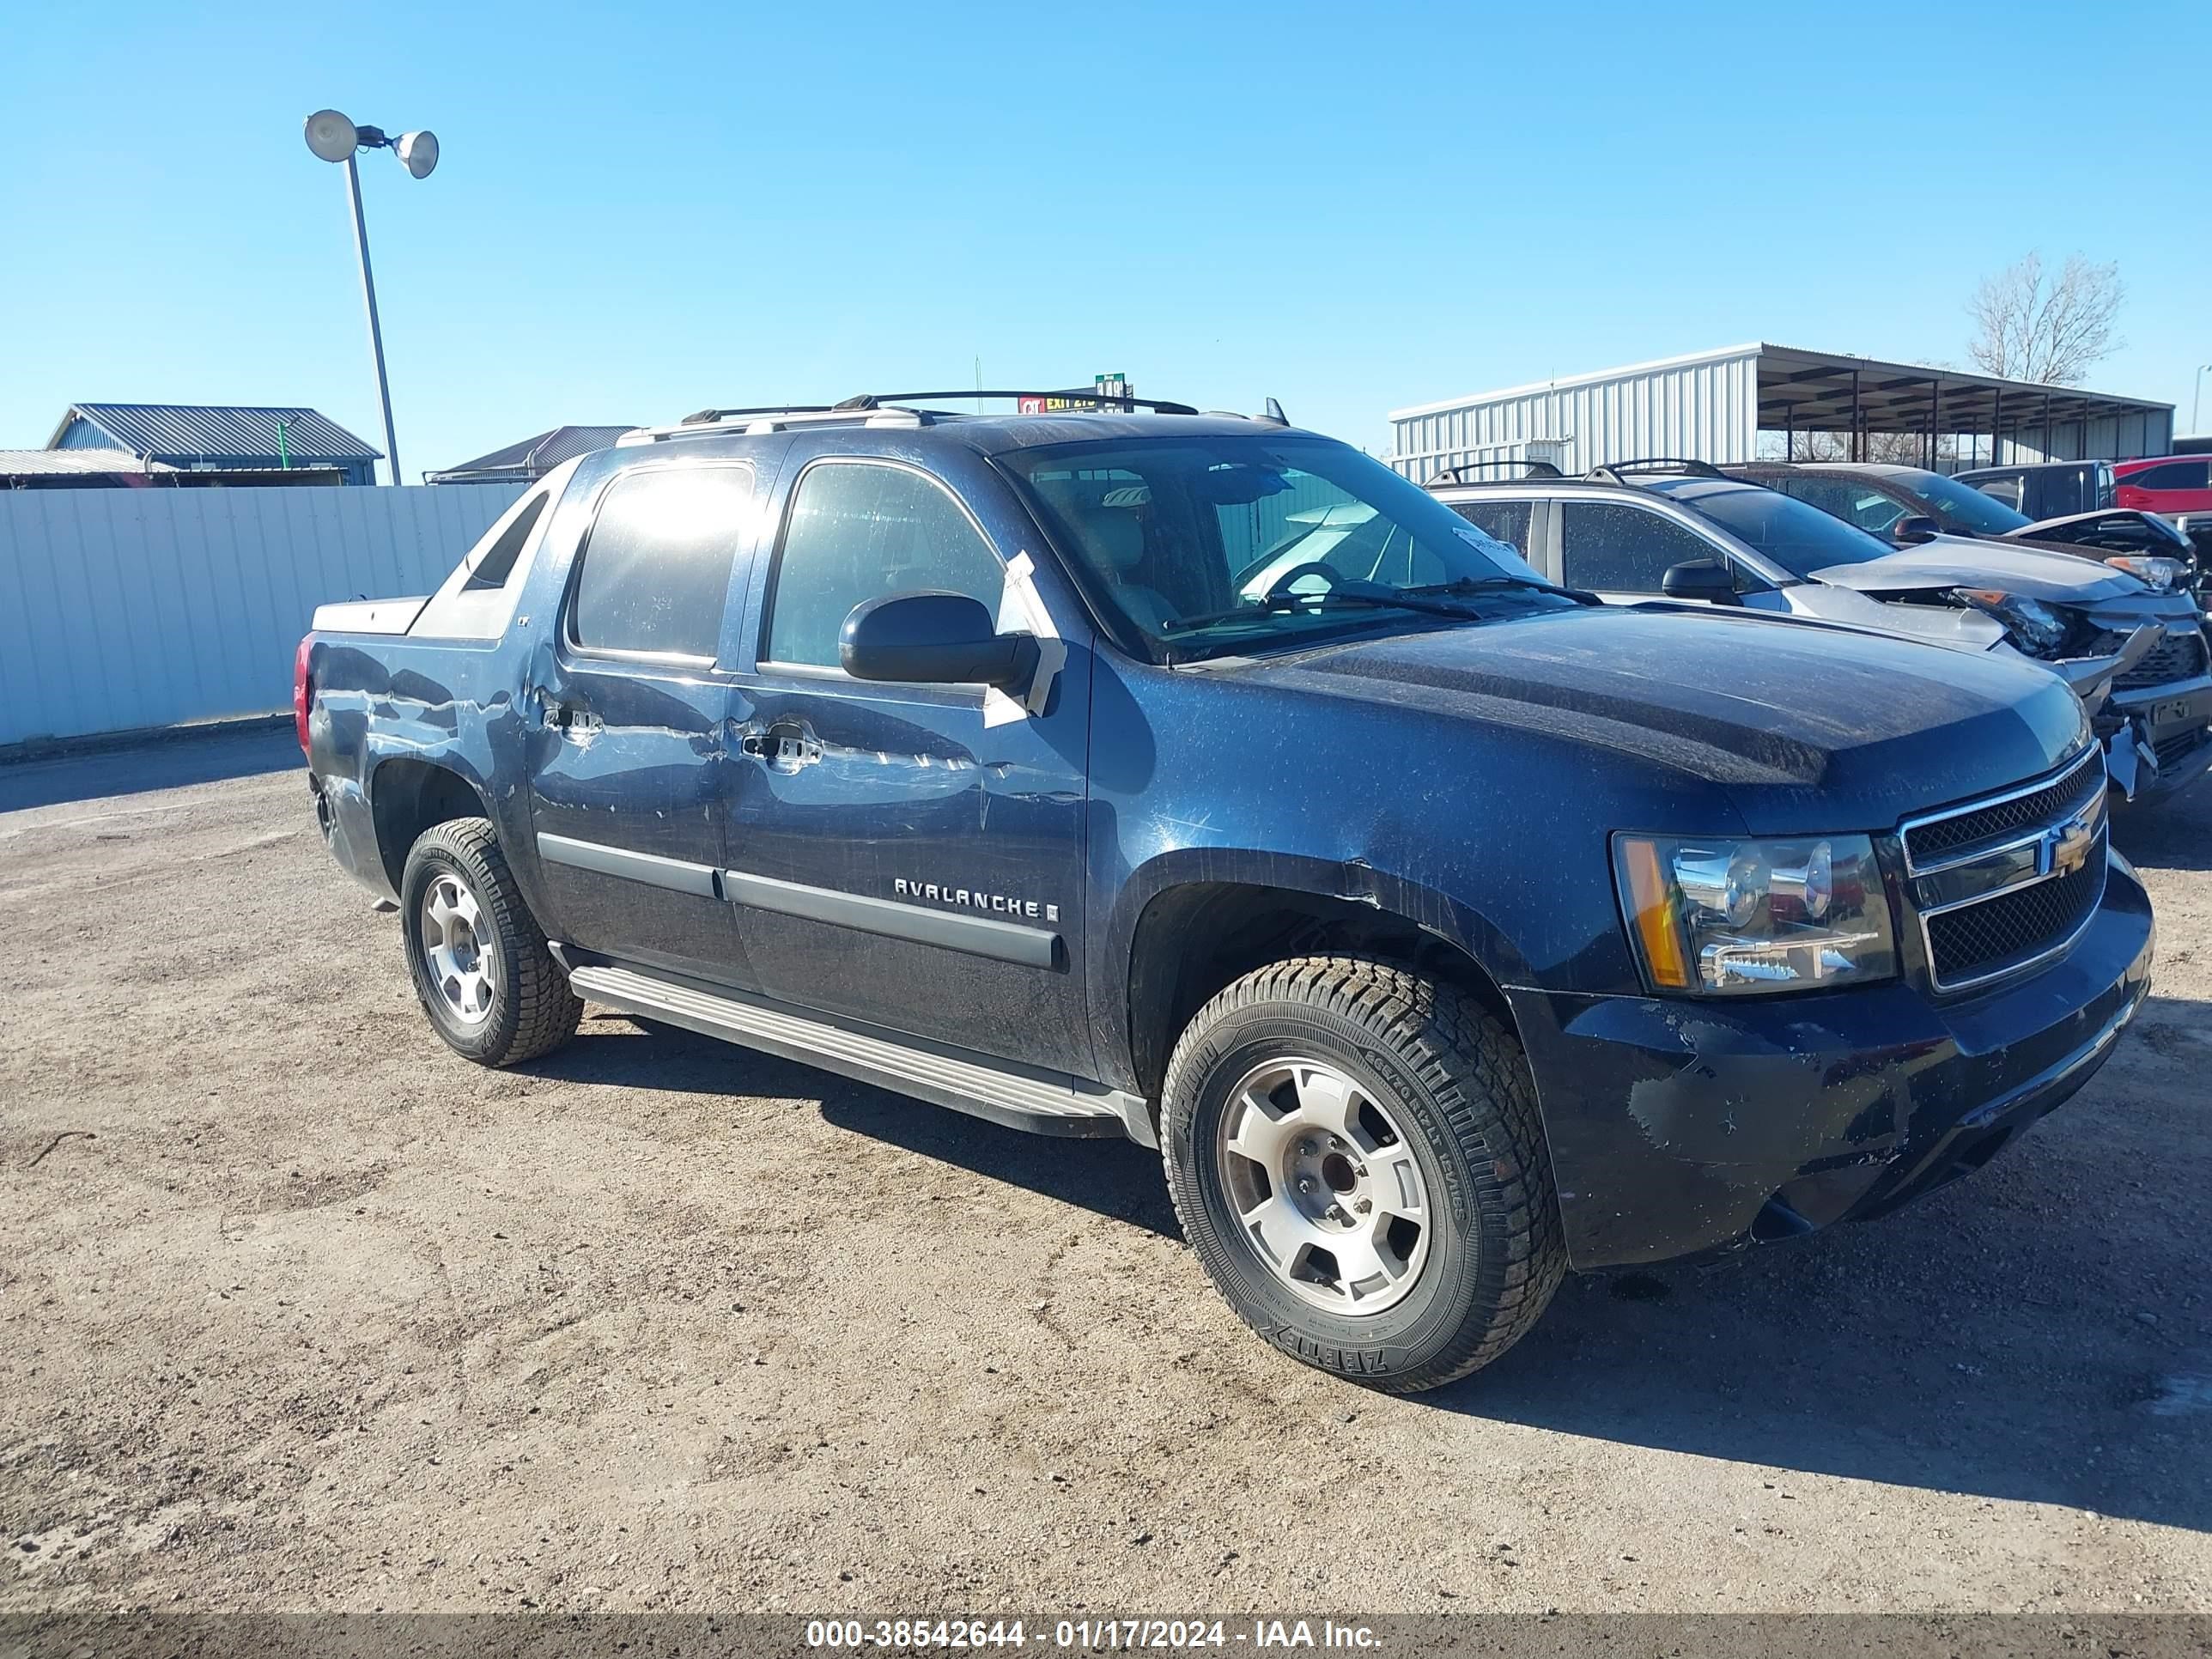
x: 532, y: 1010
x: 1456, y: 1077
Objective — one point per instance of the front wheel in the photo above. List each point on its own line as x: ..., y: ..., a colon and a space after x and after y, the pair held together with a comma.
x: 478, y: 957
x: 1354, y: 1153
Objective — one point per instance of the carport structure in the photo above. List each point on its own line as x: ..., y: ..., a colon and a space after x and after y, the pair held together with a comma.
x: 1714, y: 405
x: 1803, y: 391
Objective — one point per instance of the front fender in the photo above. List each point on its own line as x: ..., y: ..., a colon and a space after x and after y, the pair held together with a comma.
x: 1114, y: 941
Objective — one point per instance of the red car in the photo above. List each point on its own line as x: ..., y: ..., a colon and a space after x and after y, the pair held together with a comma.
x: 2164, y: 484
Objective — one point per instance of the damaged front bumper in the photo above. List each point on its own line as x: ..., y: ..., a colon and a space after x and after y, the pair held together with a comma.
x: 1680, y: 1129
x: 2158, y: 741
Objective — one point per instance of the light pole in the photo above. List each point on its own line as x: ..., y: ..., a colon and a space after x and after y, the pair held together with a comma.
x: 2196, y: 403
x: 334, y: 138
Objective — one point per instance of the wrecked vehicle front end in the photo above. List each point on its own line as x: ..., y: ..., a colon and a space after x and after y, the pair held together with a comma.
x: 1685, y: 1125
x: 2136, y: 655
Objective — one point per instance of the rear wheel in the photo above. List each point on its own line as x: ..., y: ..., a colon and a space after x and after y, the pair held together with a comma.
x: 478, y: 958
x: 1355, y: 1155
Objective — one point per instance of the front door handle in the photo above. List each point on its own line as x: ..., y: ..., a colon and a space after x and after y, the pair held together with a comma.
x: 785, y: 746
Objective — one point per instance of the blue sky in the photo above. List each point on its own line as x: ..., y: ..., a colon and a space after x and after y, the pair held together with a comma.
x: 1350, y: 208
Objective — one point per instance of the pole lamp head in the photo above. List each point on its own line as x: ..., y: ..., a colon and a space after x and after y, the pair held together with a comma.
x: 418, y: 152
x: 331, y: 136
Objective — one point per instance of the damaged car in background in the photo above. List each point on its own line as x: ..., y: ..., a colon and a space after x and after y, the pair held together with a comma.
x: 1905, y: 505
x: 2135, y: 653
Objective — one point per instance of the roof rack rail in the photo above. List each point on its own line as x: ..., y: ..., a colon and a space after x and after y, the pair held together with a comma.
x: 868, y: 400
x: 711, y: 416
x: 1458, y: 475
x: 1616, y: 472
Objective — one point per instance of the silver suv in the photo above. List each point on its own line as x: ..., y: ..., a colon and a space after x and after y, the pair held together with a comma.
x: 1680, y: 530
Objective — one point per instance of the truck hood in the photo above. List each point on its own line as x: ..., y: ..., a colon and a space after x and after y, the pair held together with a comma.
x: 1807, y: 728
x: 1960, y: 562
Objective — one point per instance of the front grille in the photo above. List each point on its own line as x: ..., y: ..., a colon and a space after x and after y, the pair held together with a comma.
x: 1980, y: 941
x: 1939, y: 838
x: 2170, y: 659
x: 2172, y: 751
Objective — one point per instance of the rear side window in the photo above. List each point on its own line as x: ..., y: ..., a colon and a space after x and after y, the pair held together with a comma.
x: 2007, y: 490
x: 496, y: 566
x: 858, y: 530
x: 2174, y: 475
x: 655, y: 568
x: 1502, y: 521
x: 1623, y: 549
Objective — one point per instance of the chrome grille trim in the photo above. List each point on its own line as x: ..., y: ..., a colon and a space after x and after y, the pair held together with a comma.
x: 1967, y: 851
x: 2077, y: 799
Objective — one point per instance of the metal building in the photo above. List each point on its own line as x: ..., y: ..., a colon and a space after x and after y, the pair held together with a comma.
x: 221, y: 438
x: 1716, y: 405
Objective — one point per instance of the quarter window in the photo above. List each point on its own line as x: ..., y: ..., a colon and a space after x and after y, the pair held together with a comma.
x: 655, y: 568
x: 859, y: 531
x: 1617, y: 548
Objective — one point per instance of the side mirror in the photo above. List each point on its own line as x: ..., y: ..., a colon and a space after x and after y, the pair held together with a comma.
x: 1913, y: 528
x: 932, y: 639
x: 1708, y: 580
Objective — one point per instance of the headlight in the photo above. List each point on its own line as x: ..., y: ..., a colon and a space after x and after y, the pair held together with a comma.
x: 2158, y: 574
x: 2035, y: 628
x: 1736, y: 918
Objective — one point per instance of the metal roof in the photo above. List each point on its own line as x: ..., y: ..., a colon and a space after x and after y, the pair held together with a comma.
x: 534, y: 456
x: 1811, y: 391
x: 219, y: 431
x: 44, y: 463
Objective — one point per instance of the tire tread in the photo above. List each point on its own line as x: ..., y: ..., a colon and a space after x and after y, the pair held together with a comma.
x: 1471, y: 1066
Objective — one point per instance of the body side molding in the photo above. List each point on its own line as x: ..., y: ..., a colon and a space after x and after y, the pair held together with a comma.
x: 675, y: 874
x: 950, y: 930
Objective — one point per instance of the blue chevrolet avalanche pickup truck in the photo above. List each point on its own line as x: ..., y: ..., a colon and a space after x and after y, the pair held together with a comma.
x: 1445, y: 929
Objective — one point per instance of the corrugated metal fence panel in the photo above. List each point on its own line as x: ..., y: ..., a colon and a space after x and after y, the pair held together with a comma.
x: 128, y: 608
x: 1707, y: 410
x: 2111, y: 437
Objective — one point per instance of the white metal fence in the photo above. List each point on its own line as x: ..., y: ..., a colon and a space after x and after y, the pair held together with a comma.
x: 128, y: 608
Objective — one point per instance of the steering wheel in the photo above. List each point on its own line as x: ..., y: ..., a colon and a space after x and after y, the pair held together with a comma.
x: 1281, y: 586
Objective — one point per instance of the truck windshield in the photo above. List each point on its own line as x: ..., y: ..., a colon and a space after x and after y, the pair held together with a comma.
x: 1219, y: 545
x: 1795, y: 535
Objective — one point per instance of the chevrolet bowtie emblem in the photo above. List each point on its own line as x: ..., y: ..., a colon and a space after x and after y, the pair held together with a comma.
x: 2064, y: 847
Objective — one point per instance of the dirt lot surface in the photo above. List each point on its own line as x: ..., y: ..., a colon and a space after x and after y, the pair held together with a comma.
x: 299, y: 1310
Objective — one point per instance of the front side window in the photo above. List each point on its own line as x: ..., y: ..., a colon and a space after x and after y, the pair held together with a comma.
x: 1220, y: 543
x: 859, y: 531
x: 654, y: 572
x: 1615, y: 548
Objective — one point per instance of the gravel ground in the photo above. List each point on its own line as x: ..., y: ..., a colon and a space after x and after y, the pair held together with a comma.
x: 300, y: 1312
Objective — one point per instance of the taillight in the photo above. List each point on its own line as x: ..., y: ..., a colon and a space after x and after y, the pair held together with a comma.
x: 301, y: 691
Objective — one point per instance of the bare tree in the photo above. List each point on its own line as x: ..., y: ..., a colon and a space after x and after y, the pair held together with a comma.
x: 2030, y: 324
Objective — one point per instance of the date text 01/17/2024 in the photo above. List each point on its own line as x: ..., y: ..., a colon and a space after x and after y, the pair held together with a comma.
x: 1084, y: 1635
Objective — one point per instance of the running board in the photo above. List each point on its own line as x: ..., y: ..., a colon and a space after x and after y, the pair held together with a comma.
x: 1042, y: 1102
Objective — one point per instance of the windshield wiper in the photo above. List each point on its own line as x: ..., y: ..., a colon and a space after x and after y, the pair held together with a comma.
x: 1479, y: 584
x: 1431, y: 599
